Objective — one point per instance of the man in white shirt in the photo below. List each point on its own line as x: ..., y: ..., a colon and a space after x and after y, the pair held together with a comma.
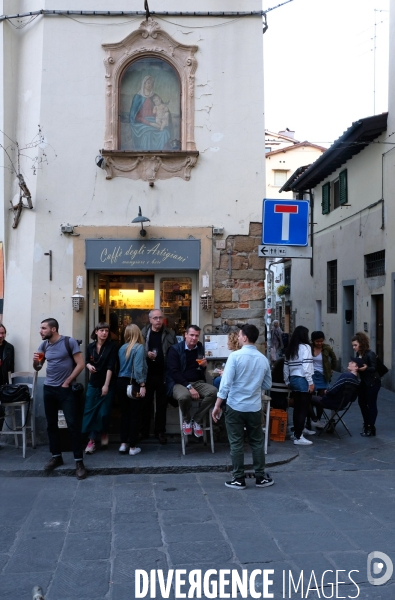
x: 246, y: 374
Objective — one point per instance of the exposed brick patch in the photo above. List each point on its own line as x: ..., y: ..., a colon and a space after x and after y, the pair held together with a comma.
x: 238, y: 293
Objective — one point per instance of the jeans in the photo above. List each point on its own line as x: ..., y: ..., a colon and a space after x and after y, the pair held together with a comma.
x: 367, y: 400
x: 130, y: 413
x: 208, y: 396
x: 301, y: 407
x: 235, y: 421
x: 155, y: 386
x: 61, y: 398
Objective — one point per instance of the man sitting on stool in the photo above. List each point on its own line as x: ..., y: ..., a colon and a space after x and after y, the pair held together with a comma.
x: 185, y: 381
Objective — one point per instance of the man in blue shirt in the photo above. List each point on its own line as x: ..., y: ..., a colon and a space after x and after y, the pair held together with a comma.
x: 246, y: 374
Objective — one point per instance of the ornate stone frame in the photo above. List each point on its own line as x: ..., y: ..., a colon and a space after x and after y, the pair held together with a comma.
x: 150, y: 41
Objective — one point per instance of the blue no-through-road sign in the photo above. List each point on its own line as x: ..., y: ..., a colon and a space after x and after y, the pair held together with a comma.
x: 285, y: 222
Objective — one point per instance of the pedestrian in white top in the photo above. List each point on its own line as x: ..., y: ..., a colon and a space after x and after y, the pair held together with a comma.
x: 298, y: 374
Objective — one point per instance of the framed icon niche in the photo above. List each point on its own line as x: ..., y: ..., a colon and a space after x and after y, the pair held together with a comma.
x: 150, y: 85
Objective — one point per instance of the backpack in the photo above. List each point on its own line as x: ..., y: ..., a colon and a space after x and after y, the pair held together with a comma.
x: 68, y: 348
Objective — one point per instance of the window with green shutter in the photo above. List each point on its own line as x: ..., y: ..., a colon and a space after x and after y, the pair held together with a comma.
x: 343, y: 187
x: 326, y: 198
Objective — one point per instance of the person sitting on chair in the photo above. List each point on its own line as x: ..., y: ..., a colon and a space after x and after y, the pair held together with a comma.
x: 185, y: 380
x: 348, y: 383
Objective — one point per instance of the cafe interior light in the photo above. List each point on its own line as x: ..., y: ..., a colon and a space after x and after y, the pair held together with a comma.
x: 142, y: 220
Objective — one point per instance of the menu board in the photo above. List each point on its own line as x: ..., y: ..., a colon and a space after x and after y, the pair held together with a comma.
x: 216, y: 346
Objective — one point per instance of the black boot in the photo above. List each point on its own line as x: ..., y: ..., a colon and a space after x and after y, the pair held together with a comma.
x: 372, y: 430
x: 367, y: 432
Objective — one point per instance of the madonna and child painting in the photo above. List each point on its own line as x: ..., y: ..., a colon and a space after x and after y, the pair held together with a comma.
x: 150, y: 107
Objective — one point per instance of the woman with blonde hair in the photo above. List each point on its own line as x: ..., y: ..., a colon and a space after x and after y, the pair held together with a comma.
x: 132, y: 366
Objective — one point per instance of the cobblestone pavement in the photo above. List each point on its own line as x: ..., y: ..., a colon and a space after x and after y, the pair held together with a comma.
x: 329, y: 508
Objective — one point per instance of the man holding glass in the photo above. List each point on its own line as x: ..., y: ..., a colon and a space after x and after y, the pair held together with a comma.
x: 64, y: 362
x: 158, y: 340
x: 186, y: 381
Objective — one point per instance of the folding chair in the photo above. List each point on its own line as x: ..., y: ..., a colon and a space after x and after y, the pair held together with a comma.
x: 349, y: 396
x: 27, y: 411
x: 206, y: 427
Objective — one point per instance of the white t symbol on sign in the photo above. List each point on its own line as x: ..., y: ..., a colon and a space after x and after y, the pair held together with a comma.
x: 286, y: 210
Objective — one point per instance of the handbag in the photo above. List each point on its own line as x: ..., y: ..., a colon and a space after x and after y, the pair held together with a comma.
x: 14, y: 392
x: 133, y: 389
x: 380, y: 367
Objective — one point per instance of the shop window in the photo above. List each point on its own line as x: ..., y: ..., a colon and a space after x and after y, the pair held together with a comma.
x: 175, y: 302
x: 332, y: 286
x: 150, y: 84
x: 375, y: 264
x: 126, y: 299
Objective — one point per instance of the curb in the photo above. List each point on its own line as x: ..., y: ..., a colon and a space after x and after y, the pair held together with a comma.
x: 149, y: 470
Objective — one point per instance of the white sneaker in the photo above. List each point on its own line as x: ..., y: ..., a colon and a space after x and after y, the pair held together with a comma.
x: 123, y: 448
x: 319, y: 424
x: 302, y: 441
x: 134, y: 451
x: 308, y: 431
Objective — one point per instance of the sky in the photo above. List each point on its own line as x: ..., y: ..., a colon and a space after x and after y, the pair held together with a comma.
x: 319, y: 65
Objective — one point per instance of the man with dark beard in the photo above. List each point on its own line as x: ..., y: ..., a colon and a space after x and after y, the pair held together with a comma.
x: 64, y: 364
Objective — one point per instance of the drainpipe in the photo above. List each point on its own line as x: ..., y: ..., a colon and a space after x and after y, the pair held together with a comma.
x: 312, y: 232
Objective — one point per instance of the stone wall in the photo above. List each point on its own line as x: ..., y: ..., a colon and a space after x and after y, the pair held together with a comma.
x: 239, y: 288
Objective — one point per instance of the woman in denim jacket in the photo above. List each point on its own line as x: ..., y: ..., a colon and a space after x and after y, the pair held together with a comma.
x: 132, y: 365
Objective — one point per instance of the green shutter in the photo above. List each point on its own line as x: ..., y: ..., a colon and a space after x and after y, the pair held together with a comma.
x: 343, y: 187
x: 326, y: 198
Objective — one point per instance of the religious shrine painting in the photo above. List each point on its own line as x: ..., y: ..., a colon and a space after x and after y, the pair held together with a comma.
x: 150, y: 107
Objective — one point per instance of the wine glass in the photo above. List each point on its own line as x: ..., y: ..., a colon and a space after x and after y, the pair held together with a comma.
x: 199, y: 360
x: 155, y: 352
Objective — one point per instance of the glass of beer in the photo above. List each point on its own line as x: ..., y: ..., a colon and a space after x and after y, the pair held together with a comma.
x: 199, y: 361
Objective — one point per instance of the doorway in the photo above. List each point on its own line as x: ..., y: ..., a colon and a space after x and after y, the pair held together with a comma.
x: 348, y: 320
x: 124, y: 298
x: 377, y: 332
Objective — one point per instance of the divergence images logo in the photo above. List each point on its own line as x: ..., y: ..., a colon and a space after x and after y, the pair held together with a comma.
x: 376, y: 562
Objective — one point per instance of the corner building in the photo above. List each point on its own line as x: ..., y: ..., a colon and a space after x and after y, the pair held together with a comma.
x: 171, y: 107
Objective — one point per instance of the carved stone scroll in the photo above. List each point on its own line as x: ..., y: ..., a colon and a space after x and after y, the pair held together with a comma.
x: 149, y: 166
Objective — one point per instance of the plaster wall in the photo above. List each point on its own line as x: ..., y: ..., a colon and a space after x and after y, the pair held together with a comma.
x: 289, y: 160
x: 58, y: 74
x: 346, y: 235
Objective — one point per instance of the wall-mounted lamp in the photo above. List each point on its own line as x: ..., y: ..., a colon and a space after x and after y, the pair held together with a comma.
x: 100, y: 161
x: 78, y: 301
x: 69, y: 229
x: 206, y: 300
x: 141, y: 219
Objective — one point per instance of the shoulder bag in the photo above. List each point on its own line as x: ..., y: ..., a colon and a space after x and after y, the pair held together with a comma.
x: 133, y: 389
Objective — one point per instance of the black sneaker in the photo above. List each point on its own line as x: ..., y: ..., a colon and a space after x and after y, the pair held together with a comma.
x: 236, y: 484
x: 265, y: 481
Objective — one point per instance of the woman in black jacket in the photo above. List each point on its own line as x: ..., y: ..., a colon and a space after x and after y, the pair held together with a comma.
x: 6, y: 356
x: 370, y: 383
x: 101, y: 358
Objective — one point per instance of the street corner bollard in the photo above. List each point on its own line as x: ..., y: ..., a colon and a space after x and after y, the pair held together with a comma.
x: 37, y: 593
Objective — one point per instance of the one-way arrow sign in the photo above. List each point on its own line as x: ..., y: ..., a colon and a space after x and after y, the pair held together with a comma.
x: 285, y: 251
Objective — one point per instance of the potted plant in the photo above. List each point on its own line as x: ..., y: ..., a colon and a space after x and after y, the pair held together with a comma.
x: 283, y: 290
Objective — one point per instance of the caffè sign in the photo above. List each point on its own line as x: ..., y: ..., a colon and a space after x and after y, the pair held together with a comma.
x: 155, y: 255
